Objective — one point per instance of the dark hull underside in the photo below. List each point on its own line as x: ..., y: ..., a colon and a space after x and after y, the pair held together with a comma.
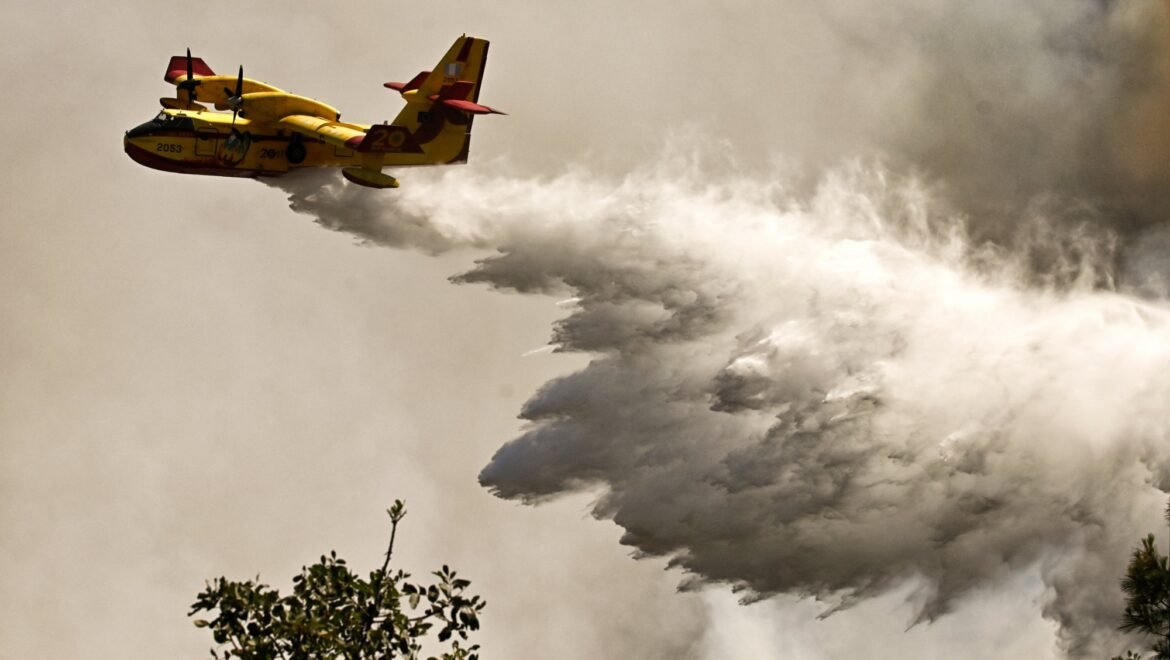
x: 154, y: 161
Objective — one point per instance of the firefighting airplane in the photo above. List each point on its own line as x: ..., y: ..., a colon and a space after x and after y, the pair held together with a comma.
x: 270, y: 131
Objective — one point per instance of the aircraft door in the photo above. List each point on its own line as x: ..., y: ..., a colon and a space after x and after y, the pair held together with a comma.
x: 205, y: 142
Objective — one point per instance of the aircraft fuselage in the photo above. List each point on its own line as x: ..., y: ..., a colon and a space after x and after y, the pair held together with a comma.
x: 204, y: 142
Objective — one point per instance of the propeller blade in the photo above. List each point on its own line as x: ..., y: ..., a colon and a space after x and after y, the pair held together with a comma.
x: 236, y: 101
x: 190, y: 83
x: 239, y: 95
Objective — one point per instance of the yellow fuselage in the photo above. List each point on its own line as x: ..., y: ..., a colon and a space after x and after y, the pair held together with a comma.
x: 204, y: 142
x: 267, y: 131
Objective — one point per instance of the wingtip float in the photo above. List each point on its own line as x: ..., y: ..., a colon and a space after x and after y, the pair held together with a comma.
x: 270, y: 131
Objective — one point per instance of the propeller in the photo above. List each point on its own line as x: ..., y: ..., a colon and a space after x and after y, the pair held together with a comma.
x: 235, y: 101
x: 190, y: 83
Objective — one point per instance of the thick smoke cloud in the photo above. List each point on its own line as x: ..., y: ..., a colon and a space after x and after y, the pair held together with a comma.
x: 1048, y: 102
x: 1051, y: 108
x: 945, y: 371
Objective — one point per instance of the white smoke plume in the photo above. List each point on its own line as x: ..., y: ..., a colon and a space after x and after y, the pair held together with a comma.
x: 878, y: 382
x: 829, y: 395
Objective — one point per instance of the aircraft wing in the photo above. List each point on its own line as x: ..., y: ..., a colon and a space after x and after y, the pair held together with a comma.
x: 196, y: 82
x: 379, y: 138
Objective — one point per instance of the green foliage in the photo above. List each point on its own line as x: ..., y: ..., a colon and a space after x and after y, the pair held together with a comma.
x: 334, y: 613
x: 1147, y: 597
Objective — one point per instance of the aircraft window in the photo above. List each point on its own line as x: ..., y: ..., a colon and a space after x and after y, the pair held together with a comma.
x: 171, y: 122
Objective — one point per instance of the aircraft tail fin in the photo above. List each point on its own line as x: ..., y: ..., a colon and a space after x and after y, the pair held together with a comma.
x: 441, y: 103
x: 464, y: 61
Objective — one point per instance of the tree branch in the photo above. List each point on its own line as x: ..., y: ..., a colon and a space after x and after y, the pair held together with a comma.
x: 390, y: 548
x: 397, y: 512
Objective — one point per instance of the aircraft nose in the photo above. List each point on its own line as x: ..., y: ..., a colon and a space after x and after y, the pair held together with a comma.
x: 138, y: 153
x: 128, y: 140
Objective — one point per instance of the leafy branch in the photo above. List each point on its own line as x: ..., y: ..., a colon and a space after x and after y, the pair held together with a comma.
x: 333, y: 612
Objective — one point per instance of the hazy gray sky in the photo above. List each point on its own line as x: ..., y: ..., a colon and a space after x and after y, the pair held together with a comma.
x: 196, y: 381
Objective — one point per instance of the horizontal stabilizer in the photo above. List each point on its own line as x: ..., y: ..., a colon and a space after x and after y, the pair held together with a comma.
x: 177, y: 68
x: 414, y: 83
x: 369, y: 178
x: 468, y: 106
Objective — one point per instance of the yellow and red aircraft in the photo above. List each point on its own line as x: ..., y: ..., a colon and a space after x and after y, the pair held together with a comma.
x: 270, y: 131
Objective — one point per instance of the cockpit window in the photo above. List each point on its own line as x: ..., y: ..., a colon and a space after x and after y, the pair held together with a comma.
x: 163, y: 122
x: 174, y: 122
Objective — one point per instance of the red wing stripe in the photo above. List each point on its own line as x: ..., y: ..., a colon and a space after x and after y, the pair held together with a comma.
x: 178, y: 67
